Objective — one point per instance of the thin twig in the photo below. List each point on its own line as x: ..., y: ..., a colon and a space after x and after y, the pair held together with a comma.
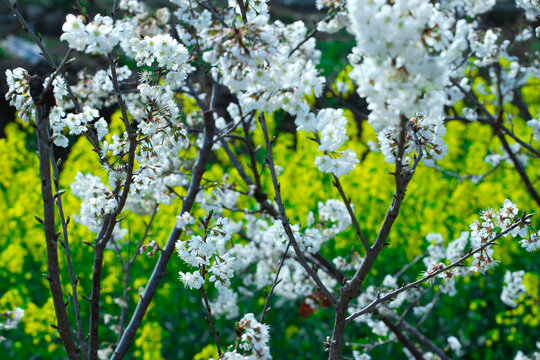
x: 423, y: 339
x: 519, y: 167
x: 283, y: 217
x: 127, y: 269
x: 409, y: 265
x: 210, y: 321
x: 350, y: 210
x: 276, y: 281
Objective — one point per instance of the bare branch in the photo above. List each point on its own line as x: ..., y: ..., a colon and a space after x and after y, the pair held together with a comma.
x: 43, y: 106
x: 210, y: 321
x: 276, y: 281
x: 347, y: 202
x: 285, y: 221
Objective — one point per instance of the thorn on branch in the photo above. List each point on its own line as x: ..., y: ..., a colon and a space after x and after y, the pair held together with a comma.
x: 38, y: 219
x: 89, y: 244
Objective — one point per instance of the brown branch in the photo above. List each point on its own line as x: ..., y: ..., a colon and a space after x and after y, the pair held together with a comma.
x: 285, y: 221
x: 159, y: 269
x: 210, y: 321
x: 242, y: 10
x: 519, y: 167
x: 43, y: 106
x: 72, y: 277
x: 421, y: 337
x: 347, y: 202
x: 127, y: 269
x: 351, y: 289
x: 276, y: 281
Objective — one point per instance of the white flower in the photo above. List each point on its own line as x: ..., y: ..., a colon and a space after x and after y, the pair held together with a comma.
x: 191, y: 280
x: 11, y: 319
x: 338, y: 166
x: 184, y: 220
x: 101, y: 128
x: 513, y: 287
x: 357, y: 355
x: 390, y: 281
x: 74, y: 32
x: 532, y: 243
x: 454, y: 344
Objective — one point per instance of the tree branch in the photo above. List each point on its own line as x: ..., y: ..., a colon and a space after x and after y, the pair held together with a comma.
x: 43, y: 106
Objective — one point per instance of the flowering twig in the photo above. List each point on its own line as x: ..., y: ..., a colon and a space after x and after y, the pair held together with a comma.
x: 432, y: 275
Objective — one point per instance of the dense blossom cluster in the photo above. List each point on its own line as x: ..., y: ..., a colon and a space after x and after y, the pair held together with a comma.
x: 19, y: 93
x: 404, y: 47
x: 332, y: 126
x: 252, y: 342
x: 98, y: 36
x: 97, y: 201
x: 208, y: 255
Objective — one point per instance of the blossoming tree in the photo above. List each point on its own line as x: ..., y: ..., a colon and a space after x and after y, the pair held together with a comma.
x: 412, y: 63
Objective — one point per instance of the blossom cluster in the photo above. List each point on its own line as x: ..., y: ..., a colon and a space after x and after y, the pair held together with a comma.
x: 99, y: 36
x: 266, y: 65
x: 421, y: 135
x: 208, y: 255
x: 403, y: 47
x: 11, y: 319
x: 252, y: 341
x: 493, y: 225
x: 333, y: 132
x: 18, y: 93
x: 97, y: 201
x: 513, y: 287
x: 258, y: 259
x: 166, y: 52
x: 337, y: 17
